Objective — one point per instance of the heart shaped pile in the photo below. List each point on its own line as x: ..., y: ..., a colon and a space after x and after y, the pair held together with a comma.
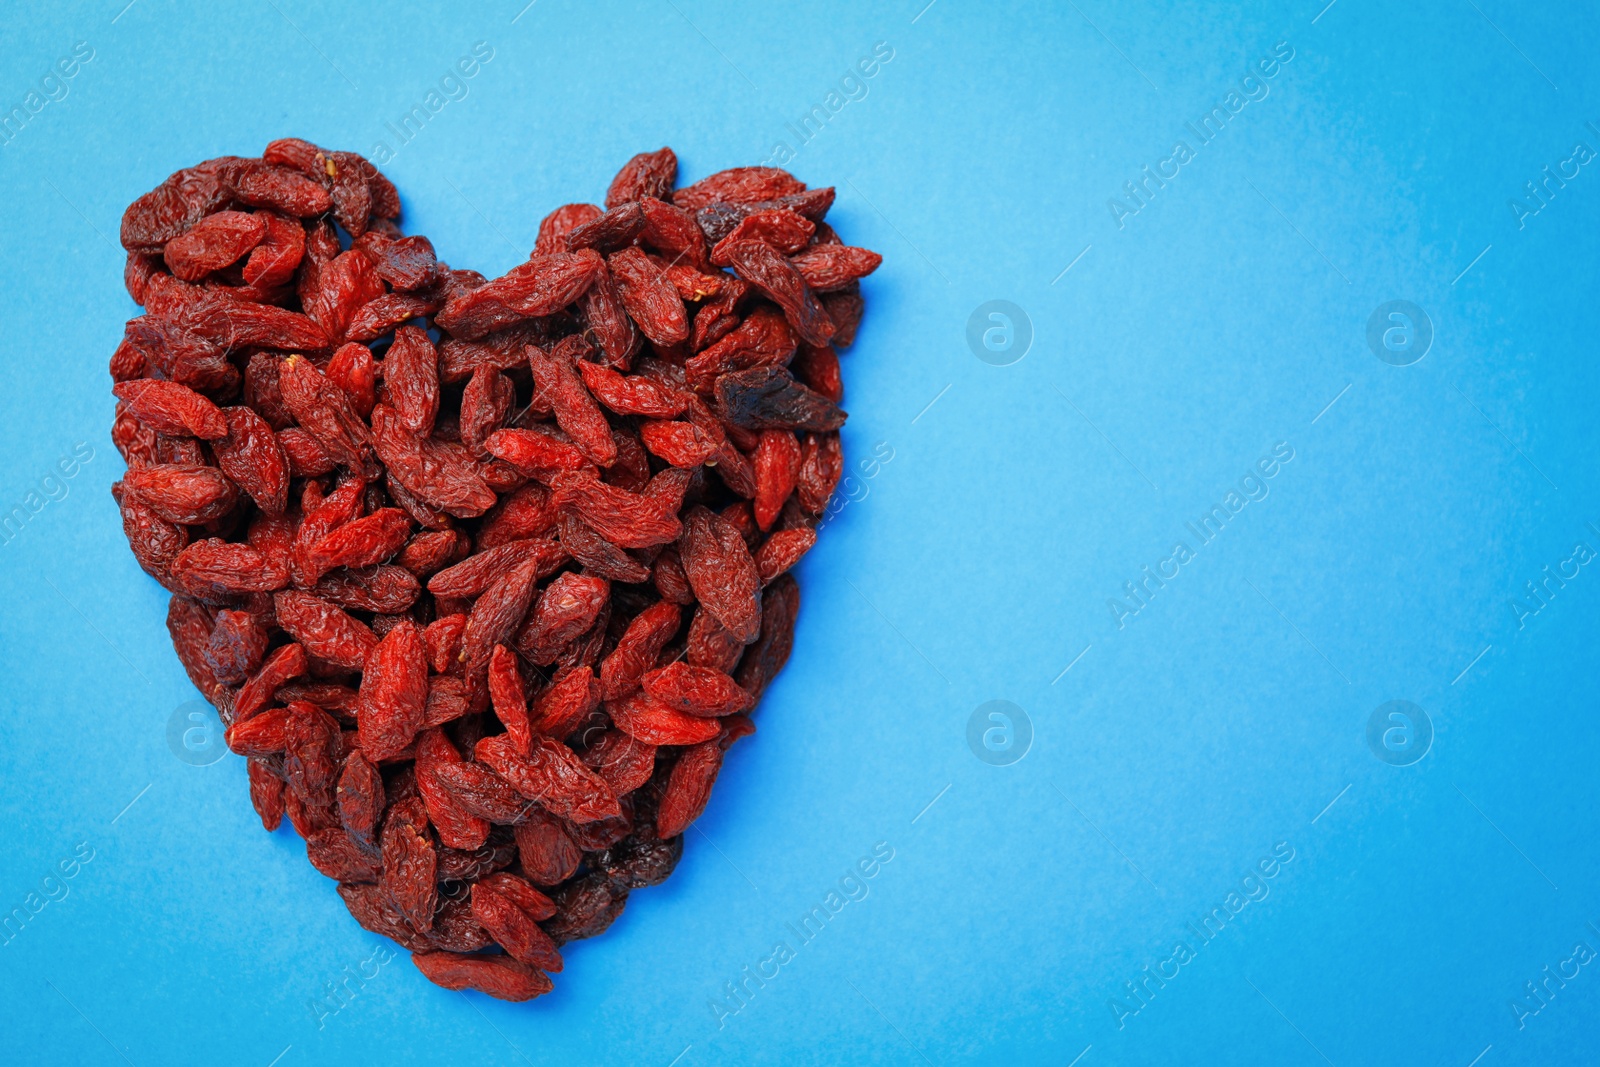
x: 432, y: 538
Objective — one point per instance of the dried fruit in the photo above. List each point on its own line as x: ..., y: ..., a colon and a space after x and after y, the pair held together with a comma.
x: 688, y: 788
x: 499, y: 976
x: 410, y: 864
x: 213, y: 243
x: 513, y: 927
x: 171, y: 409
x: 431, y: 536
x: 394, y: 693
x: 646, y: 174
x: 696, y: 690
x: 650, y: 299
x: 552, y: 775
x: 722, y: 572
x: 646, y: 719
x: 783, y: 284
x: 325, y: 630
x: 575, y: 410
x: 548, y: 854
x: 458, y: 827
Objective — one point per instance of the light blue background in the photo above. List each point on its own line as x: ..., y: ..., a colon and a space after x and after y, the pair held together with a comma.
x: 1228, y: 716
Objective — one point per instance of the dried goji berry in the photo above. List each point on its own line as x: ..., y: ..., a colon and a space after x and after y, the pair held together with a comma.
x: 630, y: 520
x: 696, y: 690
x: 182, y: 493
x: 266, y: 793
x: 576, y: 412
x: 650, y: 299
x: 688, y: 788
x: 212, y: 243
x: 552, y: 775
x: 360, y: 797
x: 411, y: 379
x: 566, y: 609
x: 646, y: 719
x: 481, y: 792
x: 514, y: 928
x: 722, y: 572
x: 739, y: 185
x: 326, y: 413
x: 410, y: 863
x: 441, y: 473
x: 554, y: 227
x: 780, y: 605
x: 510, y: 700
x: 353, y: 369
x: 358, y: 543
x: 458, y: 828
x: 646, y: 174
x: 783, y: 550
x: 394, y: 692
x: 566, y: 703
x: 638, y: 648
x: 172, y: 409
x: 826, y: 268
x: 782, y: 229
x: 500, y: 977
x: 610, y: 230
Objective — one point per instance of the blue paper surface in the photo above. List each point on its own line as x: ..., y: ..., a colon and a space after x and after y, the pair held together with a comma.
x: 1191, y: 720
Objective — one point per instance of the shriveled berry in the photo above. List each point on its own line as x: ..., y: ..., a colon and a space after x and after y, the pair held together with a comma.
x: 360, y: 542
x: 458, y: 827
x: 576, y: 412
x: 646, y: 174
x: 638, y: 648
x: 647, y: 719
x: 481, y: 792
x: 514, y: 928
x: 722, y: 572
x: 548, y: 855
x: 777, y: 466
x: 554, y: 227
x: 500, y: 977
x: 783, y: 230
x: 780, y: 606
x: 324, y: 629
x: 552, y: 775
x: 508, y: 697
x: 237, y: 644
x: 696, y: 690
x: 394, y: 693
x: 250, y: 454
x: 623, y: 761
x: 827, y: 268
x: 360, y: 797
x: 172, y: 409
x: 212, y: 243
x: 476, y: 573
x: 566, y: 609
x: 739, y: 185
x: 410, y: 862
x: 266, y: 793
x: 688, y: 788
x: 566, y: 703
x: 182, y: 493
x: 411, y: 377
x: 783, y: 550
x: 650, y: 299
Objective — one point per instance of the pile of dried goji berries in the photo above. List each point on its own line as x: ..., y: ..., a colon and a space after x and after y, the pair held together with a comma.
x: 484, y: 577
